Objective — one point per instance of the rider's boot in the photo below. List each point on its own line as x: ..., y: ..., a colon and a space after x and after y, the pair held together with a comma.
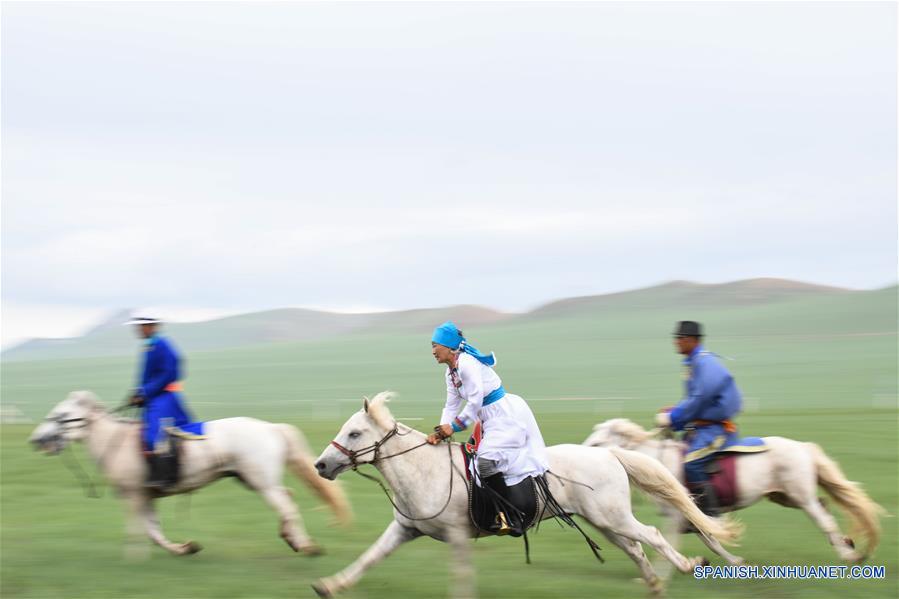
x: 155, y: 478
x: 707, y: 501
x: 163, y: 471
x: 506, y: 523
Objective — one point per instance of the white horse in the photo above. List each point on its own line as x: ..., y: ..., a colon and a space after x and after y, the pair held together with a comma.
x: 430, y: 495
x: 252, y: 450
x: 788, y: 474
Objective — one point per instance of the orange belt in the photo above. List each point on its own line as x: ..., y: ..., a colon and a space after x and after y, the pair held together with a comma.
x: 176, y: 386
x: 729, y: 426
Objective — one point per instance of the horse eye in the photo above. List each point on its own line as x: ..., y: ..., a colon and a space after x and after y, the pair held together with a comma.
x: 354, y: 435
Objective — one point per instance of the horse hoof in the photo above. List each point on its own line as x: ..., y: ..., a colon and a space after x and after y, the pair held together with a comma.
x: 321, y: 591
x: 192, y: 547
x: 849, y: 542
x: 704, y: 561
x: 312, y: 551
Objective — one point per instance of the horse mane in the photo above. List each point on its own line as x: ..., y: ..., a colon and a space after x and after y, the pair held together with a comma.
x: 628, y: 429
x: 87, y: 398
x: 92, y: 401
x: 379, y: 412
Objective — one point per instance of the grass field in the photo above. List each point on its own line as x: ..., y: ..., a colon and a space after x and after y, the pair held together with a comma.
x: 815, y: 369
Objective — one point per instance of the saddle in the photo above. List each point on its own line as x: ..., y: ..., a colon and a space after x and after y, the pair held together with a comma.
x: 519, y: 505
x: 526, y: 503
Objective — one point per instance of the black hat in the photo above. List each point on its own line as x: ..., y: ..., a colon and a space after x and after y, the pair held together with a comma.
x: 688, y: 328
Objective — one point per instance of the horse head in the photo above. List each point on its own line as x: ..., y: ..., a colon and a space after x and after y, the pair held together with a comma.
x: 359, y: 439
x: 67, y: 422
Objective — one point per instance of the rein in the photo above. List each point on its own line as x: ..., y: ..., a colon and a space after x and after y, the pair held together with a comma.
x: 375, y: 449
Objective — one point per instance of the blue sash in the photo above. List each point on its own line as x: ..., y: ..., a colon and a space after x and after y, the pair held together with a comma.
x: 495, y: 395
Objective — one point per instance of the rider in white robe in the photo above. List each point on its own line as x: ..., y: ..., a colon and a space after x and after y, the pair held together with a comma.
x: 511, y: 442
x: 511, y: 437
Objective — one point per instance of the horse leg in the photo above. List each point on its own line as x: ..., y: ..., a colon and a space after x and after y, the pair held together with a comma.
x: 828, y: 524
x: 265, y: 479
x: 154, y: 529
x: 628, y: 526
x: 715, y: 545
x: 674, y: 523
x: 635, y: 551
x: 292, y: 530
x: 462, y: 575
x: 395, y: 535
x: 136, y: 546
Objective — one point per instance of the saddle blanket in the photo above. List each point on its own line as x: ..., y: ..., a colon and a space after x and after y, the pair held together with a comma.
x: 723, y: 470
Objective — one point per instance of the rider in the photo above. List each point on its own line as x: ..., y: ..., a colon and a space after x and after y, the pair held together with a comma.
x: 158, y: 393
x: 711, y: 400
x: 512, y: 448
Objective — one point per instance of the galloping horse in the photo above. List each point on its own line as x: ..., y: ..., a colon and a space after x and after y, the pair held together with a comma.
x: 788, y: 474
x: 253, y: 450
x: 430, y: 495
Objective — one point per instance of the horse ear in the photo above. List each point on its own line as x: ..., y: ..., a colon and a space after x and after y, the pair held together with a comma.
x: 365, y: 404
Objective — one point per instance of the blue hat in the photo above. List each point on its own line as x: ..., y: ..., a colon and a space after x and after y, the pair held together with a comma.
x: 449, y: 336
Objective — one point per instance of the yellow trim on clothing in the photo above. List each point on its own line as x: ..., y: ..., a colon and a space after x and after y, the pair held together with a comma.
x: 708, y: 450
x: 745, y: 449
x: 715, y: 446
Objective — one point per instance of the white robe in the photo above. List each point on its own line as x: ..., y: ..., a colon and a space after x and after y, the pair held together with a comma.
x: 510, y: 435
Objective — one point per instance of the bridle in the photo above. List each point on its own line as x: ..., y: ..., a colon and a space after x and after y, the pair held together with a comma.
x: 375, y: 449
x: 64, y: 421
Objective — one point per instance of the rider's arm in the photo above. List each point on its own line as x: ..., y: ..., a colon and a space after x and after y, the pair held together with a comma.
x: 472, y: 390
x: 453, y: 401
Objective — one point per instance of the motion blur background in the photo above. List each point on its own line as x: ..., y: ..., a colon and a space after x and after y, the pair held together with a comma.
x: 305, y: 189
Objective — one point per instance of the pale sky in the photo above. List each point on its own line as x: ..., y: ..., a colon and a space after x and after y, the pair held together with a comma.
x: 198, y: 159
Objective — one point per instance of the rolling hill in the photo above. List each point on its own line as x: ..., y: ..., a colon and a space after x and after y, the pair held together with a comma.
x: 755, y: 302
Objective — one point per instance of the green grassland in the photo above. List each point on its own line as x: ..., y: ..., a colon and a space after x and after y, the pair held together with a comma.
x: 816, y: 367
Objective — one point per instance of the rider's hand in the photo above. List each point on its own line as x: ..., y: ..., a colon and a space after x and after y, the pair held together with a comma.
x: 444, y: 431
x: 136, y: 399
x: 663, y: 419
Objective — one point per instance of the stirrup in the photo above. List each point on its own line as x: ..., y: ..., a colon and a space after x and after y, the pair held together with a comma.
x: 501, y: 527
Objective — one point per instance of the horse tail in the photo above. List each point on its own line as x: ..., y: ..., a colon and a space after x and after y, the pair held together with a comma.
x: 655, y: 480
x: 861, y: 509
x: 301, y: 462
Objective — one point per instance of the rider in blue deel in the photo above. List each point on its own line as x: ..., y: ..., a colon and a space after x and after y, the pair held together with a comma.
x: 711, y: 399
x: 158, y: 394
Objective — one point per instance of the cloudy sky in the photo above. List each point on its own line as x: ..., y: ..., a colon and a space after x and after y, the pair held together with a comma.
x: 199, y: 159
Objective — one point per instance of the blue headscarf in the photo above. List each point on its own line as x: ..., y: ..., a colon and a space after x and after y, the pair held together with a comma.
x: 448, y: 335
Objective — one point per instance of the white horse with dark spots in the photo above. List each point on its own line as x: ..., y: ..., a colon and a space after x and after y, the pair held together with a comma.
x: 789, y: 474
x: 430, y: 495
x: 252, y: 450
